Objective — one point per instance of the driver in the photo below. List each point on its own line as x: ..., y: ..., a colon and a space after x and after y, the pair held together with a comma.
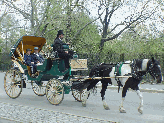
x: 58, y: 46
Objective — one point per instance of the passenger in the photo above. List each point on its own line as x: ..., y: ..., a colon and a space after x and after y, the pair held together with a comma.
x: 29, y: 61
x: 37, y: 58
x: 58, y: 46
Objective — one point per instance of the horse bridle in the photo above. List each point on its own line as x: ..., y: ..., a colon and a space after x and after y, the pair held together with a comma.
x: 150, y: 70
x: 137, y: 76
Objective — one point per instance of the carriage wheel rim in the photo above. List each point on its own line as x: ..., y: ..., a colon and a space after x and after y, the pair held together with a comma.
x: 54, y: 92
x: 79, y: 95
x: 38, y: 90
x: 12, y: 87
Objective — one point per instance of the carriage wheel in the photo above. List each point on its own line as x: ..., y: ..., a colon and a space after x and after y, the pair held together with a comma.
x: 39, y: 90
x: 54, y: 91
x: 79, y: 95
x: 12, y: 83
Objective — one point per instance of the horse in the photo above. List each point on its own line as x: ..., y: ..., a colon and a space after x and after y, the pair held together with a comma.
x: 135, y: 70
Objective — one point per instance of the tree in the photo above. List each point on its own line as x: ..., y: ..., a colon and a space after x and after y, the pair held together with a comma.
x: 9, y: 32
x: 136, y: 43
x: 34, y: 11
x: 75, y: 22
x: 112, y: 7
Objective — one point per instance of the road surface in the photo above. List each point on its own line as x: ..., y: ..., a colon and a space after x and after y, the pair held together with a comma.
x: 153, y: 106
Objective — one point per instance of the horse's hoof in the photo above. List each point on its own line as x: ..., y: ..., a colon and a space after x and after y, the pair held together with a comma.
x: 84, y: 104
x: 122, y: 110
x: 140, y: 110
x: 106, y: 107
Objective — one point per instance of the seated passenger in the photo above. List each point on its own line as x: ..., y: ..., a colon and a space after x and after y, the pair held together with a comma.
x: 29, y: 61
x: 36, y: 57
x: 58, y: 46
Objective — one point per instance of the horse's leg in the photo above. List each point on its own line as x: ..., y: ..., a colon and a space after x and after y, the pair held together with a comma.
x: 84, y: 100
x: 140, y: 108
x: 87, y: 92
x: 104, y: 87
x: 125, y: 88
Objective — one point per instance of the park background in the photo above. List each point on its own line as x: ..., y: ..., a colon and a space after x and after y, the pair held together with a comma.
x: 108, y: 31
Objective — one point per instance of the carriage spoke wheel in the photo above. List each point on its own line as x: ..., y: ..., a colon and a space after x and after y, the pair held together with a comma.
x: 79, y: 95
x: 54, y: 91
x: 12, y: 83
x: 39, y: 90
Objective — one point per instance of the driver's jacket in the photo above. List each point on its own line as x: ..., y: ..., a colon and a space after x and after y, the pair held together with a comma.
x: 59, y: 45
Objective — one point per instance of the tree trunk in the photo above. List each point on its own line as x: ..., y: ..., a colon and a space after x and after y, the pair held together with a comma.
x: 32, y: 17
x: 68, y: 29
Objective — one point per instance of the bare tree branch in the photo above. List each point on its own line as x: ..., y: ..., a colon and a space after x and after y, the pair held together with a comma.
x: 99, y: 8
x: 127, y: 26
x: 44, y: 15
x: 51, y: 30
x: 132, y: 19
x: 3, y: 15
x: 44, y: 28
x: 162, y: 19
x: 112, y: 11
x: 10, y: 4
x: 115, y: 28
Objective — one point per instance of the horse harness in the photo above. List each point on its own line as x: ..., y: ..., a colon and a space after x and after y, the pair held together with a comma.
x: 118, y: 73
x: 99, y: 71
x: 139, y: 74
x: 134, y: 73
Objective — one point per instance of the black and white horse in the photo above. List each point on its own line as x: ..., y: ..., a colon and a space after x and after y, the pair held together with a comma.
x: 136, y: 68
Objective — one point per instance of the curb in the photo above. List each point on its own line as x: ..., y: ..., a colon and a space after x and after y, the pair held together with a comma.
x: 141, y: 89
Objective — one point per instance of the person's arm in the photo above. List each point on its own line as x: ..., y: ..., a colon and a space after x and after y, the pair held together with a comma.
x: 28, y: 63
x: 33, y: 59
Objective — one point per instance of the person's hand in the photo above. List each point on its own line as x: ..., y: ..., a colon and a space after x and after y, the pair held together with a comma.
x: 66, y: 51
x: 32, y: 62
x: 68, y: 43
x: 38, y: 62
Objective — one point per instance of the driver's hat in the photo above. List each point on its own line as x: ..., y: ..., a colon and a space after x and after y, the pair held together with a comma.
x: 60, y: 32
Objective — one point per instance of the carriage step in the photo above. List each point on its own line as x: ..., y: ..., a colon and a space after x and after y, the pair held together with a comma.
x: 24, y: 85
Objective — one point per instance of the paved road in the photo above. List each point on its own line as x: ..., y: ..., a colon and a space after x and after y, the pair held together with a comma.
x: 2, y: 120
x: 153, y: 105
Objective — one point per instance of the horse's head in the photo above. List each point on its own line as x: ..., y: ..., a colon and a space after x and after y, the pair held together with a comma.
x: 154, y: 69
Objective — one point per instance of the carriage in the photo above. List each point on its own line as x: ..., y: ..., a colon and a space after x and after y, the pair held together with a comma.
x: 51, y: 70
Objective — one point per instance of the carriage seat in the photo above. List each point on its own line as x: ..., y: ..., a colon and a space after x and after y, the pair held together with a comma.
x: 40, y: 67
